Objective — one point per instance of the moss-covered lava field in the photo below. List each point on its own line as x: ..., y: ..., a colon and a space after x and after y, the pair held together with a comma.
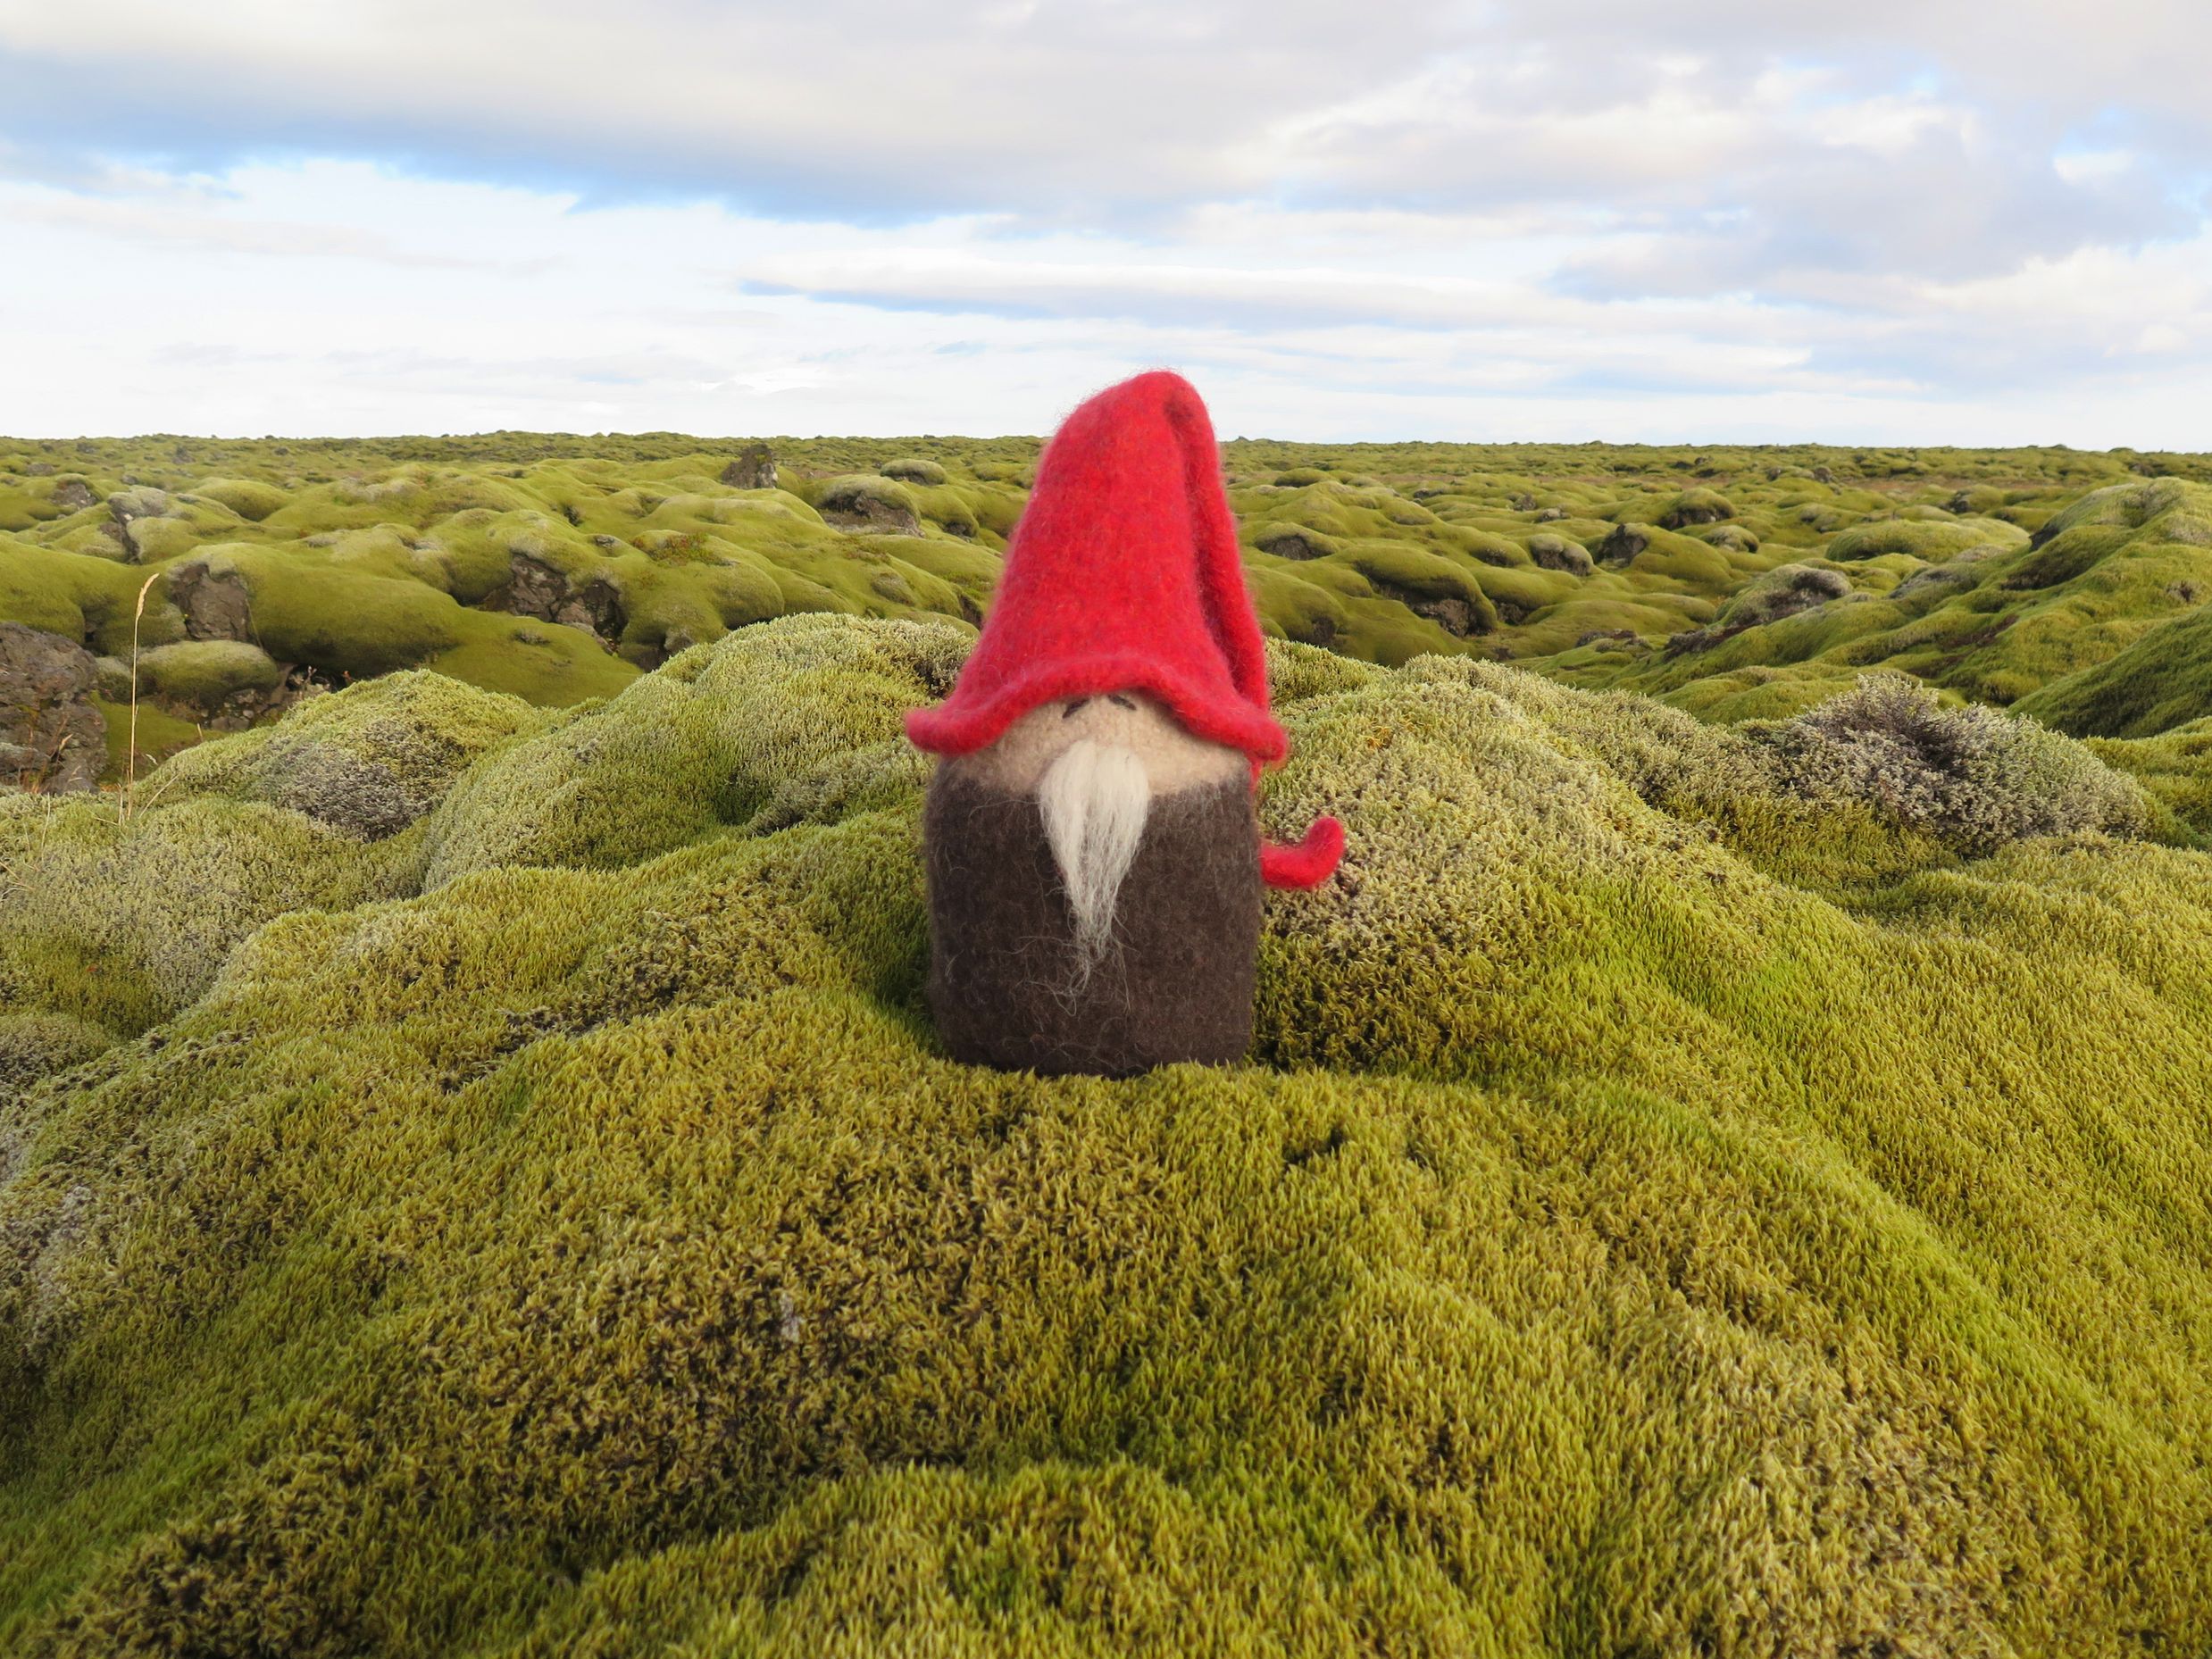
x: 1735, y: 583
x: 1725, y: 1168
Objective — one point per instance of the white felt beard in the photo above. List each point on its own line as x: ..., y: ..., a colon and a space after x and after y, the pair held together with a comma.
x: 1095, y: 799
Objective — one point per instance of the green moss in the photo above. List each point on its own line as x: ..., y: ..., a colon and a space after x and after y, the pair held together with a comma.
x: 661, y: 764
x: 541, y: 662
x: 36, y: 1045
x: 202, y: 674
x: 160, y: 734
x: 1654, y: 1196
x: 2162, y: 680
x: 913, y: 469
x: 90, y: 600
x: 123, y: 926
x: 404, y: 543
x: 251, y: 499
x: 2151, y: 504
x: 2175, y: 768
x: 370, y: 760
x: 670, y: 556
x: 409, y: 495
x: 1930, y: 541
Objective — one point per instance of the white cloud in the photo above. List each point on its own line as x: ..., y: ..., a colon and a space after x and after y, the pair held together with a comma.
x: 1719, y: 217
x: 2093, y: 166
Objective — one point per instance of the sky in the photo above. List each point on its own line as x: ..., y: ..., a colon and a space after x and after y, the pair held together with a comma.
x: 1717, y: 220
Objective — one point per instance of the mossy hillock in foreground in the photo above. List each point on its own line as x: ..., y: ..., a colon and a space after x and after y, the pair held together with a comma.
x: 1668, y: 1210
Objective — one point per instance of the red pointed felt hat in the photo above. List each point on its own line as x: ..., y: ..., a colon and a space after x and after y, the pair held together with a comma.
x: 1123, y: 575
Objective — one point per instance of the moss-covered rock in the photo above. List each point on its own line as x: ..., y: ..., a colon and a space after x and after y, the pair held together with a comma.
x: 913, y: 469
x: 1930, y: 540
x: 1295, y: 541
x: 1695, y: 506
x: 210, y: 677
x: 876, y: 505
x: 369, y: 760
x: 1784, y: 591
x: 1556, y: 552
x: 250, y: 498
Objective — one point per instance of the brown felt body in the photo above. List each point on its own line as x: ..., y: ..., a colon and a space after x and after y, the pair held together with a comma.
x: 1176, y: 982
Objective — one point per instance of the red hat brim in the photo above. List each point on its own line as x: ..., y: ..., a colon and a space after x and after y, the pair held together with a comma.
x: 962, y: 727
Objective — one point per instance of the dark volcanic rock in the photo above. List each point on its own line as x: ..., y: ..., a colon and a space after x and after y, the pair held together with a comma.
x: 1458, y: 616
x: 216, y: 602
x: 1556, y: 552
x: 862, y: 509
x: 753, y: 469
x: 1696, y: 510
x: 536, y: 588
x: 52, y: 738
x: 1625, y: 542
x: 73, y: 493
x: 126, y: 507
x: 1292, y: 541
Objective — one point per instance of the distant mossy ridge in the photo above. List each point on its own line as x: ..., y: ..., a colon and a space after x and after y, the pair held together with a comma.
x: 559, y: 567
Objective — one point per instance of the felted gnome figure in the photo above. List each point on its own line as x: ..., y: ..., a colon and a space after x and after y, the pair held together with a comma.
x: 1094, y: 859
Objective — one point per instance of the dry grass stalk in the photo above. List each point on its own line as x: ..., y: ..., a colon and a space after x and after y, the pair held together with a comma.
x: 131, y: 759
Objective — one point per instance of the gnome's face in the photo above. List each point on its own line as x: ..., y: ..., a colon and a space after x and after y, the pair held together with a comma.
x: 1094, y: 766
x: 1095, y: 892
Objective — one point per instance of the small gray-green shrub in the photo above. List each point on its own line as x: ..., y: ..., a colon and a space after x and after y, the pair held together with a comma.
x: 1974, y: 775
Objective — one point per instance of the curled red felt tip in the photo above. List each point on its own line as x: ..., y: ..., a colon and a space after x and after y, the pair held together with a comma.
x: 1308, y: 864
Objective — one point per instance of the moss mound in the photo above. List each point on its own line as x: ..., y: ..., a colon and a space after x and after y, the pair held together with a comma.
x: 370, y: 760
x: 2163, y: 679
x: 1930, y: 540
x: 249, y: 498
x: 202, y: 674
x: 869, y: 503
x: 1663, y: 1212
x: 913, y: 469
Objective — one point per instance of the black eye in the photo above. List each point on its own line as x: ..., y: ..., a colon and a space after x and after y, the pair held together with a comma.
x: 1074, y: 703
x: 1119, y: 701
